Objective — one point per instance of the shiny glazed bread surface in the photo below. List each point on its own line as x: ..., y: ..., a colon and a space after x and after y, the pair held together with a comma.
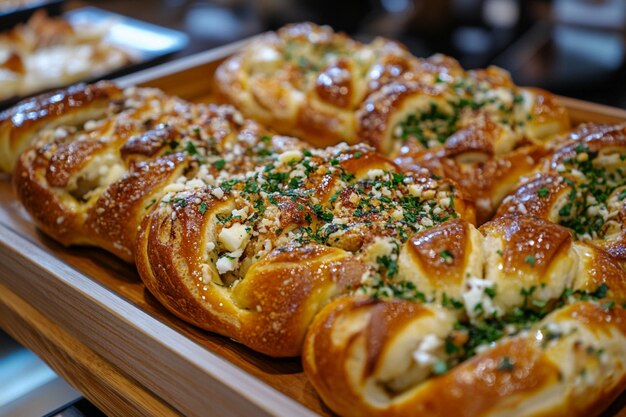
x: 233, y: 228
x: 476, y: 127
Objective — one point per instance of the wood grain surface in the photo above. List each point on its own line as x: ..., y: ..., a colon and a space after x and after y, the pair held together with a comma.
x: 89, y: 317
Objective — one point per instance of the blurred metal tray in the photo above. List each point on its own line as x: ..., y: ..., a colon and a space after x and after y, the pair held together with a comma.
x: 9, y: 17
x: 146, y: 43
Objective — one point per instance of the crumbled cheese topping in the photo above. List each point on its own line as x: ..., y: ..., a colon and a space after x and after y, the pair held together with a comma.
x: 234, y: 237
x: 477, y: 301
x: 290, y: 156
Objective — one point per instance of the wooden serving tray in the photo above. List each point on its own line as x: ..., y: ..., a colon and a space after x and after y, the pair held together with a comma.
x: 88, y: 315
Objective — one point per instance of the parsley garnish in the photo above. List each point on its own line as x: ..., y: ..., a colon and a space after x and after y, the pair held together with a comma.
x: 447, y: 256
x: 543, y: 192
x: 219, y: 164
x: 190, y: 148
x: 390, y: 265
x: 506, y: 364
x: 259, y: 205
x: 490, y: 291
x: 450, y: 302
x: 321, y: 214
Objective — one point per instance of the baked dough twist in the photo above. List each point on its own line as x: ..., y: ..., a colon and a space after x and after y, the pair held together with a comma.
x: 101, y: 157
x: 475, y: 127
x: 257, y: 256
x: 241, y: 232
x: 515, y: 318
x: 523, y: 316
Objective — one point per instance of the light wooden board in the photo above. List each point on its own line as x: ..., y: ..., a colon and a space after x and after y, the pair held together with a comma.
x: 87, y: 314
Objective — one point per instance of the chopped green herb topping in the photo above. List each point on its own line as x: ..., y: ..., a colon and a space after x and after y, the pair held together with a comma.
x: 490, y: 291
x: 530, y: 260
x: 440, y: 367
x: 451, y: 302
x: 219, y: 164
x: 447, y: 256
x: 389, y: 264
x: 506, y: 364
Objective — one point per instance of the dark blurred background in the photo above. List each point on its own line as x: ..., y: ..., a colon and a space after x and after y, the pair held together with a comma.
x: 571, y: 47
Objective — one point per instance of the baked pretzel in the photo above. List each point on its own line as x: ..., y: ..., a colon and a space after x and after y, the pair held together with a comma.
x: 472, y: 126
x: 256, y: 256
x: 100, y: 157
x: 241, y: 232
x: 515, y: 318
x: 581, y: 185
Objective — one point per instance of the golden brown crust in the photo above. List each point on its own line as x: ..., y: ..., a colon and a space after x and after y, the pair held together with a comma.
x: 325, y: 237
x: 90, y: 177
x: 374, y: 118
x: 523, y: 236
x: 547, y: 116
x: 20, y: 124
x: 488, y: 182
x: 451, y: 238
x: 334, y: 84
x: 114, y: 216
x: 52, y: 216
x: 472, y: 126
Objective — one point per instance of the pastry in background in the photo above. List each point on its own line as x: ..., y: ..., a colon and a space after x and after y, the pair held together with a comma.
x: 49, y: 52
x: 475, y: 127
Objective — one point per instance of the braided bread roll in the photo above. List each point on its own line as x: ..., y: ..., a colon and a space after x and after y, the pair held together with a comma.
x: 517, y: 319
x: 255, y: 257
x: 233, y: 229
x: 523, y: 316
x: 93, y: 173
x: 471, y: 126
